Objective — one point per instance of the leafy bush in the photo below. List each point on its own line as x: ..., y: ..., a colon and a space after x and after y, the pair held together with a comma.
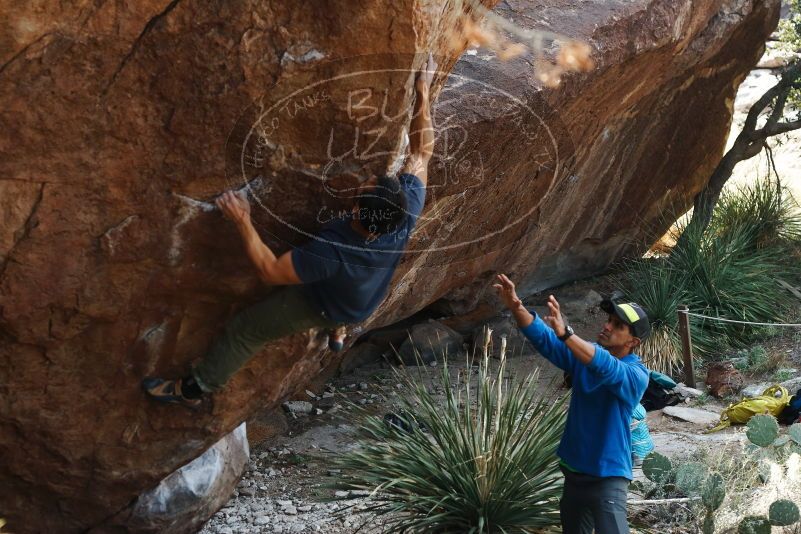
x: 482, y: 460
x: 757, y: 360
x: 729, y: 271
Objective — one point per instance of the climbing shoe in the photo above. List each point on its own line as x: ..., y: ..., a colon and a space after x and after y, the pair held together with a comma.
x: 169, y: 391
x: 336, y: 344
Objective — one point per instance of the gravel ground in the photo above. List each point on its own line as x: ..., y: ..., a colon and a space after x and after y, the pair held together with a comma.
x: 286, y: 486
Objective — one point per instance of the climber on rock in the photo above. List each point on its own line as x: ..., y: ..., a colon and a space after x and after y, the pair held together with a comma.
x: 340, y: 277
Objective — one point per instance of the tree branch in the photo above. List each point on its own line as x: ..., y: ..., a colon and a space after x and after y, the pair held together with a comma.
x: 759, y: 106
x: 784, y: 127
x: 778, y: 109
x: 789, y: 79
x: 753, y: 149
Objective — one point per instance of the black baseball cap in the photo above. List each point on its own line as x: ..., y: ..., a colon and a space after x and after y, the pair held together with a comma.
x: 630, y: 313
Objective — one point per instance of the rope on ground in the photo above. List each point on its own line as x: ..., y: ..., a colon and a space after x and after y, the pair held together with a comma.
x: 796, y: 325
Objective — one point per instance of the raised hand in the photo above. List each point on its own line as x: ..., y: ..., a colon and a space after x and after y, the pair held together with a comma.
x: 506, y: 291
x: 425, y: 76
x: 234, y: 206
x: 554, y: 318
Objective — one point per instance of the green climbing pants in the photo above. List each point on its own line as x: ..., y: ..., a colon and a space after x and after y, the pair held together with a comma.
x: 284, y: 312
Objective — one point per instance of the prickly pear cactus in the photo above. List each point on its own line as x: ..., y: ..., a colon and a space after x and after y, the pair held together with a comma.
x: 783, y: 513
x: 657, y: 468
x: 781, y: 440
x: 795, y: 432
x: 713, y: 492
x: 750, y: 449
x: 762, y: 430
x: 754, y: 525
x: 690, y: 477
x: 764, y: 469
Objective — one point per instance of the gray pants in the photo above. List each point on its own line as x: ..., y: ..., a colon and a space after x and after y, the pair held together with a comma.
x: 593, y: 502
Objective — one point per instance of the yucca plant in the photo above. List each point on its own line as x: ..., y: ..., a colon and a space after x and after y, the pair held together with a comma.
x: 654, y: 284
x: 660, y: 285
x: 729, y: 271
x: 766, y: 208
x: 730, y: 278
x: 481, y: 460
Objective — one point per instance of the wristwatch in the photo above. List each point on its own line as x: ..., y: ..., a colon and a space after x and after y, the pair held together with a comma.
x: 568, y: 332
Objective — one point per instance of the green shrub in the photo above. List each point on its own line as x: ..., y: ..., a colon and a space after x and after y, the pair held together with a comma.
x: 481, y: 460
x: 659, y: 288
x: 783, y: 374
x: 757, y: 357
x: 730, y: 271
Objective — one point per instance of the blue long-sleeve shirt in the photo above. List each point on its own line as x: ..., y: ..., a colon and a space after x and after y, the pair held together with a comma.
x: 597, y: 437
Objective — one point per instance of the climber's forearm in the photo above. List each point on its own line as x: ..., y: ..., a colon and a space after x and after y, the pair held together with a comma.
x: 584, y: 351
x: 421, y: 131
x: 259, y: 253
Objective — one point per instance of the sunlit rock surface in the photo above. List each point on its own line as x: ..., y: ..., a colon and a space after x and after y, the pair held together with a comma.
x: 122, y: 121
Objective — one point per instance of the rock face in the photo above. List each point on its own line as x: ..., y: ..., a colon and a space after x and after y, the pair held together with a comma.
x: 122, y: 121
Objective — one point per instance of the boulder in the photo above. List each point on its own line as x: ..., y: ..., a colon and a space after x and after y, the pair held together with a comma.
x: 683, y: 444
x: 298, y: 407
x: 722, y: 379
x: 183, y: 500
x: 792, y: 384
x: 122, y: 121
x: 266, y: 425
x: 687, y: 392
x: 363, y: 353
x: 429, y: 342
x: 503, y: 326
x: 754, y: 390
x: 695, y: 416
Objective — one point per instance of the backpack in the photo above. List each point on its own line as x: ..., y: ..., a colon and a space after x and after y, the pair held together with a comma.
x: 792, y: 411
x: 657, y: 397
x: 772, y: 401
x: 663, y: 380
x: 641, y: 442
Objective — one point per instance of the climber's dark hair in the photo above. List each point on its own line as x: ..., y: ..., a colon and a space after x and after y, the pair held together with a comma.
x: 382, y: 209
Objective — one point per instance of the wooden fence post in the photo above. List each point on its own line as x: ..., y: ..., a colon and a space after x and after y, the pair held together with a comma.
x: 686, y: 346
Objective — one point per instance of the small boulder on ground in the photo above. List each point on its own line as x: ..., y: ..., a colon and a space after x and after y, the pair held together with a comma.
x: 431, y: 340
x: 363, y: 353
x: 687, y: 392
x: 501, y: 326
x: 792, y: 385
x: 695, y: 416
x: 298, y: 407
x: 754, y: 390
x: 723, y: 379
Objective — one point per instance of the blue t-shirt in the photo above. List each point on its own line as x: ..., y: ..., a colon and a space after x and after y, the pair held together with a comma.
x: 346, y: 275
x: 597, y: 438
